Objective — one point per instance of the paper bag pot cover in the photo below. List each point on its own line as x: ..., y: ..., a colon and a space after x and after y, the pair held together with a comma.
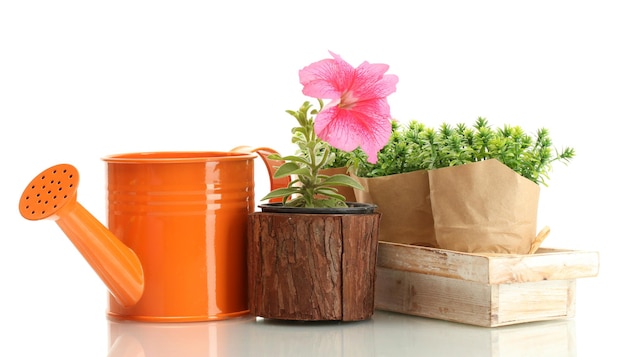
x: 404, y: 201
x: 483, y: 207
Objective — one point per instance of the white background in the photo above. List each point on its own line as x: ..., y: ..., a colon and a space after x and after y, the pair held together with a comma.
x: 83, y: 79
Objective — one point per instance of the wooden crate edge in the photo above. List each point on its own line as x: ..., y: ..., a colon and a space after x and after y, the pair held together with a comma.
x: 547, y: 264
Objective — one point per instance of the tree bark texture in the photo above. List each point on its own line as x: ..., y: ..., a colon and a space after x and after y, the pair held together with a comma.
x: 312, y: 267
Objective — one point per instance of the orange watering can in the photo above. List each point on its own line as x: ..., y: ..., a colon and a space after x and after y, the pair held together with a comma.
x: 174, y: 249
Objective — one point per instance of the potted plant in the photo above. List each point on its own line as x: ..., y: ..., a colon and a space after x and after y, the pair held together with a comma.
x: 476, y: 188
x: 339, y: 163
x: 312, y: 256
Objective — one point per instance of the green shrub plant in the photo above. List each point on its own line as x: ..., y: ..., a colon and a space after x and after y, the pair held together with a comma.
x: 415, y: 146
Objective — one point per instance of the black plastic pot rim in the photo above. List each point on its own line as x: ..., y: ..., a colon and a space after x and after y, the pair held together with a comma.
x: 353, y: 208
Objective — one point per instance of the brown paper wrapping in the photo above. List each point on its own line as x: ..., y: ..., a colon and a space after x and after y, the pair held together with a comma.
x: 483, y: 207
x: 403, y: 199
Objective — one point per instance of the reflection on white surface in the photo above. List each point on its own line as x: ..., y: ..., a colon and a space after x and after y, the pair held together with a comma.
x: 386, y: 334
x: 442, y: 338
x: 189, y: 339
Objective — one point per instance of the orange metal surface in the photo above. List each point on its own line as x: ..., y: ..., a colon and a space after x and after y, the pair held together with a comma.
x: 175, y: 246
x: 184, y: 215
x: 52, y: 195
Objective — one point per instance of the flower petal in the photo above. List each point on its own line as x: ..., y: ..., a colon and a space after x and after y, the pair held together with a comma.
x: 358, y: 114
x: 366, y: 125
x: 371, y: 82
x: 326, y: 79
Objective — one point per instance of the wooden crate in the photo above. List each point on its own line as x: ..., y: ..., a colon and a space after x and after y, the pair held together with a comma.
x: 480, y: 289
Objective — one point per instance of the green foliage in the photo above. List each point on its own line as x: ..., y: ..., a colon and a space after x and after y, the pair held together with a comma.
x: 310, y: 188
x: 414, y: 146
x: 338, y: 158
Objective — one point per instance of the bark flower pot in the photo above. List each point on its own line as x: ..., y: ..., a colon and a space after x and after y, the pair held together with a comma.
x: 313, y: 264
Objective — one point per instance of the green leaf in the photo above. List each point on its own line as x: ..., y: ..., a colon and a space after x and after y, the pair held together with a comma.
x: 274, y: 157
x: 331, y: 193
x: 295, y: 158
x: 281, y: 192
x: 288, y: 168
x: 342, y: 180
x: 329, y: 202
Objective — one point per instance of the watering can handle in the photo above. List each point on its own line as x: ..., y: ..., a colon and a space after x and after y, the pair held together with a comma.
x: 272, y: 166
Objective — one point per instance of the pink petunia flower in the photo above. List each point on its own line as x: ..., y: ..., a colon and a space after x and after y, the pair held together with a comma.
x: 358, y: 114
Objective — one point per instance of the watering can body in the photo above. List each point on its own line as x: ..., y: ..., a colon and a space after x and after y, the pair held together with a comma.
x: 174, y: 249
x: 185, y: 218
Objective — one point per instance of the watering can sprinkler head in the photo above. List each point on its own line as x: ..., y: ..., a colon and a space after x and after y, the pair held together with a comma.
x: 52, y: 195
x: 49, y: 193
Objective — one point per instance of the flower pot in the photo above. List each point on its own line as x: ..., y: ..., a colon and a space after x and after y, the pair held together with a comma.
x: 313, y: 265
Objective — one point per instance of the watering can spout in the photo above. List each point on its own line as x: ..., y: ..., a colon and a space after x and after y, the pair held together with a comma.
x: 52, y: 195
